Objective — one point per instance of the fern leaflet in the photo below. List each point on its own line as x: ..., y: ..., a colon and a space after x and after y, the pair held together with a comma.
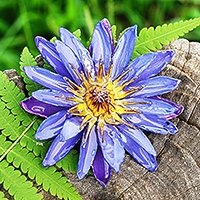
x: 17, y: 184
x: 2, y: 196
x: 47, y: 177
x: 28, y: 60
x: 152, y: 40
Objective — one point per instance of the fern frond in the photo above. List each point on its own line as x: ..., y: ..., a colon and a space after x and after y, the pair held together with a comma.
x: 28, y: 60
x: 2, y: 196
x: 11, y: 95
x: 16, y: 183
x: 27, y: 159
x: 152, y: 40
x: 47, y: 177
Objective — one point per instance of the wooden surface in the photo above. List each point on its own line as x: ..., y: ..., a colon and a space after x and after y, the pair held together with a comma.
x: 178, y: 174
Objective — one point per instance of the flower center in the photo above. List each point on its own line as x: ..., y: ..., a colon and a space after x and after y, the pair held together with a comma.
x: 99, y: 100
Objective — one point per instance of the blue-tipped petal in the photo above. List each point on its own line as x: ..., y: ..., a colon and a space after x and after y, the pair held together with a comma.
x: 148, y: 65
x: 123, y: 51
x: 101, y: 169
x: 87, y: 153
x: 142, y: 156
x: 71, y: 128
x: 80, y: 51
x: 69, y: 39
x: 59, y: 150
x: 112, y: 147
x: 152, y: 123
x: 69, y: 59
x: 101, y: 47
x: 137, y: 66
x: 49, y: 53
x: 36, y: 107
x: 179, y: 108
x: 158, y: 64
x: 138, y: 137
x: 151, y: 106
x: 52, y: 126
x: 107, y: 26
x: 46, y: 78
x: 54, y: 97
x: 154, y: 86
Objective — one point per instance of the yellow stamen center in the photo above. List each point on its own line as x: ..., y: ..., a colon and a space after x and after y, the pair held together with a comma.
x: 102, y: 100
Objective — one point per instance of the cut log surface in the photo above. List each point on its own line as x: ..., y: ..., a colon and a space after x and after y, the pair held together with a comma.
x: 178, y: 174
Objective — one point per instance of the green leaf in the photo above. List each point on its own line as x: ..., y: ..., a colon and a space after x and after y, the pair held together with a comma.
x: 32, y: 166
x: 52, y: 39
x: 19, y: 148
x: 2, y: 196
x: 28, y: 60
x: 77, y: 33
x: 151, y: 39
x: 16, y: 183
x: 114, y: 30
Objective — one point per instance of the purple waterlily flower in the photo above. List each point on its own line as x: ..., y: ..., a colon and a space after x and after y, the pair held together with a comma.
x: 102, y: 98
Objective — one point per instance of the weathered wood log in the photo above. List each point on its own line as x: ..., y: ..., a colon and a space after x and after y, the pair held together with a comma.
x: 178, y: 174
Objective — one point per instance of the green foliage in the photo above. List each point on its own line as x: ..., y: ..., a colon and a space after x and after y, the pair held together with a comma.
x: 20, y: 153
x: 77, y: 33
x: 151, y: 39
x: 114, y: 32
x: 21, y: 21
x: 28, y: 60
x: 16, y: 183
x: 2, y: 196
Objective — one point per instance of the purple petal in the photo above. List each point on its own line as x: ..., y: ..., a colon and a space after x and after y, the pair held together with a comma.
x: 137, y: 66
x: 87, y: 153
x: 85, y: 59
x: 102, y: 170
x: 154, y: 86
x: 152, y: 123
x: 142, y: 156
x: 36, y: 107
x: 49, y: 53
x: 106, y: 25
x: 148, y: 65
x: 151, y: 106
x: 59, y: 150
x: 101, y: 47
x: 54, y: 97
x: 112, y: 147
x: 52, y: 126
x: 71, y: 128
x: 69, y: 38
x: 138, y: 137
x: 179, y: 110
x: 46, y: 78
x: 77, y: 47
x: 123, y: 51
x: 69, y: 59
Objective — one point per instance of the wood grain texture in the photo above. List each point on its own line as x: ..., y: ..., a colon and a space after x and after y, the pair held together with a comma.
x: 178, y: 174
